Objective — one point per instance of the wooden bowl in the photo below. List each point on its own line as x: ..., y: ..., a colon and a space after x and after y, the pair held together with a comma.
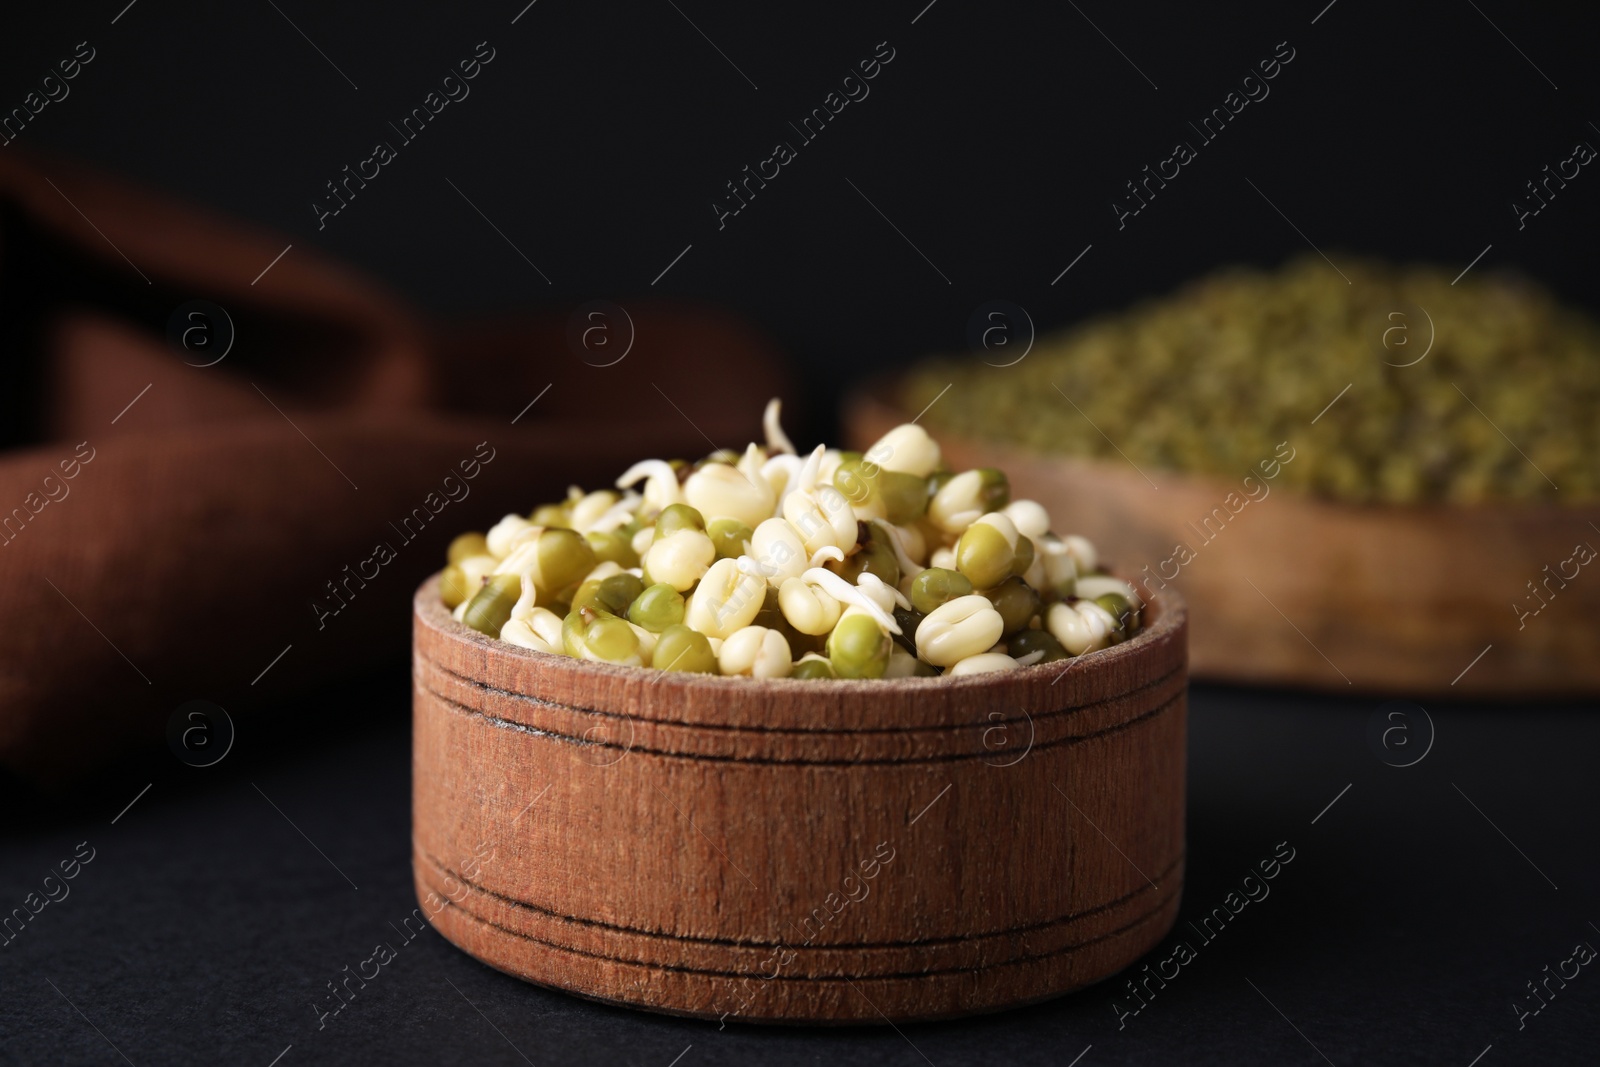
x: 799, y: 852
x: 1389, y: 598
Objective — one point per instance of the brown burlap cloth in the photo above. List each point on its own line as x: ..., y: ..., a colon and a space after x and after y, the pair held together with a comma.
x: 168, y: 530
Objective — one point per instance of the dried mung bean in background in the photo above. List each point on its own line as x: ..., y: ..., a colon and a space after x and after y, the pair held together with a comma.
x: 1215, y: 378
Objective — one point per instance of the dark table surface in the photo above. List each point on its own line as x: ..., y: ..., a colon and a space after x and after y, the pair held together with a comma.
x: 1420, y: 902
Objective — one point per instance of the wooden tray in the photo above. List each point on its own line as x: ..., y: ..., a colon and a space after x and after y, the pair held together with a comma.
x: 1382, y: 598
x: 794, y: 851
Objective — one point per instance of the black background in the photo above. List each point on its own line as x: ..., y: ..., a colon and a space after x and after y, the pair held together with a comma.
x: 995, y: 141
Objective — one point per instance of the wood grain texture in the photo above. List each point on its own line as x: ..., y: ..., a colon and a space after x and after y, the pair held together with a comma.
x: 802, y: 852
x: 1387, y: 598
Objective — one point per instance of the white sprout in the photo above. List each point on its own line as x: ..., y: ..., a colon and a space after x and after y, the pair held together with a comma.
x: 518, y: 632
x: 1081, y: 627
x: 617, y: 516
x: 821, y: 518
x: 777, y: 440
x: 882, y: 593
x: 661, y: 482
x: 806, y: 480
x: 845, y: 593
x: 832, y: 460
x: 782, y: 472
x: 775, y: 552
x: 1091, y: 586
x: 721, y: 490
x: 508, y: 533
x: 601, y: 571
x: 524, y: 605
x: 983, y: 663
x: 751, y: 462
x: 826, y: 552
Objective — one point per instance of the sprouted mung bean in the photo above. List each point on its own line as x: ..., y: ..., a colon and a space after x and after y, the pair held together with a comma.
x: 768, y: 564
x: 1210, y: 379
